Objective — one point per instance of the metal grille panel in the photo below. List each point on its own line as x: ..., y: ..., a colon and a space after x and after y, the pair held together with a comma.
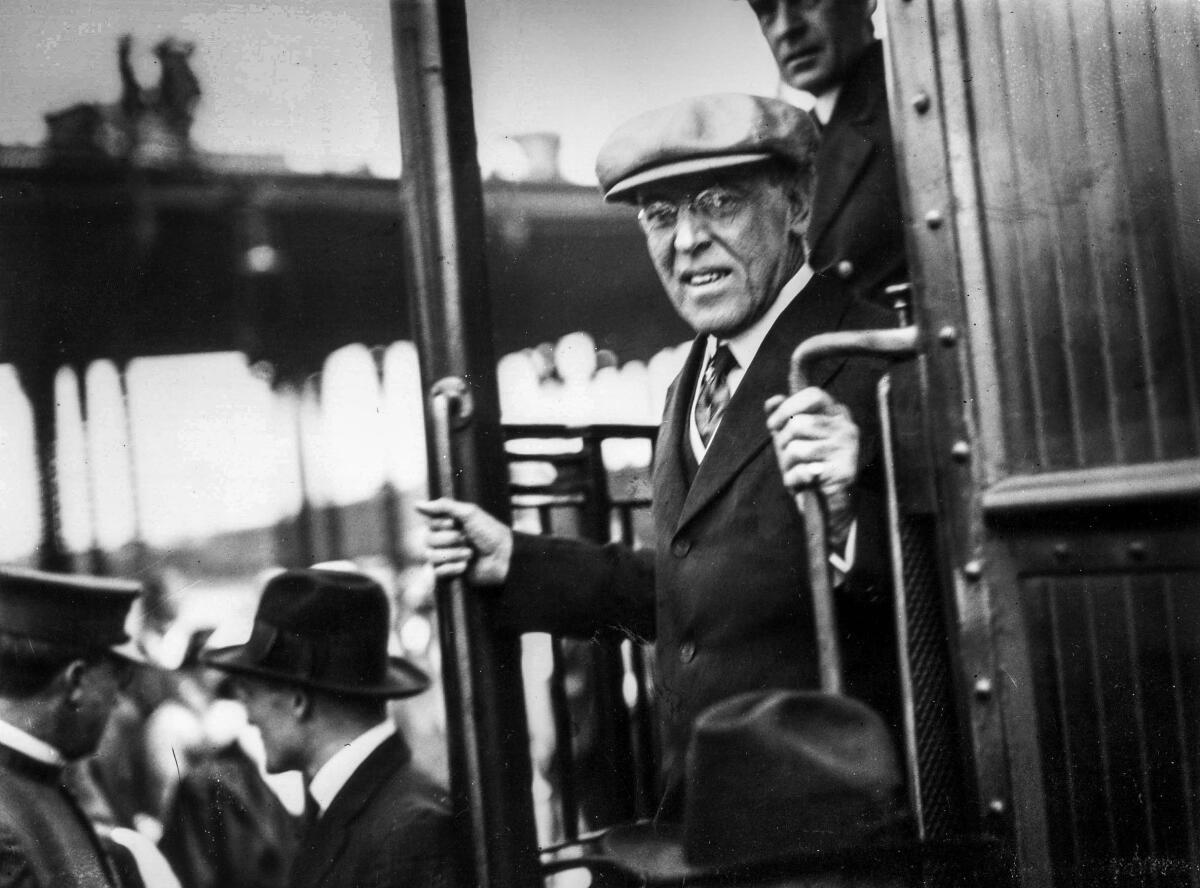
x: 939, y: 761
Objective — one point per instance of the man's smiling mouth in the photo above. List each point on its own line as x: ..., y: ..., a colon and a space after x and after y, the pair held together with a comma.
x: 703, y: 277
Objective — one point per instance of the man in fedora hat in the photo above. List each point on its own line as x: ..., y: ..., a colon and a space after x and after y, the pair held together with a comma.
x: 722, y: 185
x: 315, y: 676
x: 64, y: 654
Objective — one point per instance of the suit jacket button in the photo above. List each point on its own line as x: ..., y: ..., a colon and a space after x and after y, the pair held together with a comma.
x: 845, y: 269
x: 680, y: 548
x: 687, y: 651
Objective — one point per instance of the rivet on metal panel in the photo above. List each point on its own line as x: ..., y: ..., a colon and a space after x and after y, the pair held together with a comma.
x: 983, y: 688
x: 933, y: 219
x: 921, y: 102
x: 997, y: 807
x: 1061, y: 551
x: 1137, y: 550
x: 947, y: 335
x: 973, y: 569
x: 961, y: 451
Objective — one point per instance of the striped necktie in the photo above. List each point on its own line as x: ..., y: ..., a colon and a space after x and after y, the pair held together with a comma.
x: 714, y: 392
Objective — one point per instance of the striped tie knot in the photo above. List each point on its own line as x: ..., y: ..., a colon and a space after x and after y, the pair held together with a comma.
x: 714, y: 392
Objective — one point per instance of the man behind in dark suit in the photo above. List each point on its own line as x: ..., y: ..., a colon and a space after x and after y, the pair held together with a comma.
x: 64, y: 654
x: 315, y: 677
x: 723, y: 185
x: 827, y: 48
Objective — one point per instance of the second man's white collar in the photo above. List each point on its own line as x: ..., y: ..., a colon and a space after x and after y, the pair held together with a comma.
x: 332, y: 776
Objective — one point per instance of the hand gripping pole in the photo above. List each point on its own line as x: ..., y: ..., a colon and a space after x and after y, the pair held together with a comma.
x: 898, y: 343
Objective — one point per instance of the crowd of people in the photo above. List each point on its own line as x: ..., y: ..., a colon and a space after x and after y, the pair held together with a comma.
x: 766, y: 225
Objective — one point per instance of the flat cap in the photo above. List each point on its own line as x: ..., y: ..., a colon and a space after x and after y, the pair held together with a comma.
x: 700, y: 134
x: 76, y: 611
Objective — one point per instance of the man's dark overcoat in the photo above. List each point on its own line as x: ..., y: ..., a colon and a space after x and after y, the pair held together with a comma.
x: 857, y: 225
x: 45, y: 840
x: 390, y: 825
x: 226, y: 828
x: 725, y: 592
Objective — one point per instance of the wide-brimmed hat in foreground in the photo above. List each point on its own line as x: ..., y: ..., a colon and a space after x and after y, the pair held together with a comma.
x: 776, y: 782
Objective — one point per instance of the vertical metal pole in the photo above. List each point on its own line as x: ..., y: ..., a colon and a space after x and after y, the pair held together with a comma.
x: 37, y: 379
x: 442, y: 208
x: 97, y: 560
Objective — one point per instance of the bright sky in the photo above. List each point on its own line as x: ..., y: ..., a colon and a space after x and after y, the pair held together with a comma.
x: 312, y: 79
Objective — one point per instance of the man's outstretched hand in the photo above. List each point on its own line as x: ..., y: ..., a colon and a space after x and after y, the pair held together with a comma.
x: 465, y: 541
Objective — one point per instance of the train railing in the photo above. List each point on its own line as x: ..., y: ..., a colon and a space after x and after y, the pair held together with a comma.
x: 603, y: 766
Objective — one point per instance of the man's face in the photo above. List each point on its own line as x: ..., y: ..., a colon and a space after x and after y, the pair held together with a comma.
x: 96, y: 696
x: 723, y: 246
x: 815, y: 42
x: 273, y: 710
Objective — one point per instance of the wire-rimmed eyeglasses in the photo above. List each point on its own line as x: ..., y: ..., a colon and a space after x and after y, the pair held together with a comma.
x: 715, y: 204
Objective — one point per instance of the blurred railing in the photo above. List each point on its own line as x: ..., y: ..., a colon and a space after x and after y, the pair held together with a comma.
x: 602, y: 767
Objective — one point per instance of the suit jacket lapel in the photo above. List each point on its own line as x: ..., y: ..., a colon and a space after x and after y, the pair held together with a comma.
x: 325, y: 845
x: 849, y: 143
x: 742, y: 433
x: 670, y: 477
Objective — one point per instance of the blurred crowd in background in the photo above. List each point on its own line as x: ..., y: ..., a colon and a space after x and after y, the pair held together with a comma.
x: 181, y: 769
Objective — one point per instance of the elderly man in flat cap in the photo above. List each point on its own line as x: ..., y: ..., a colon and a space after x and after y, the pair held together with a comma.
x: 64, y: 654
x: 722, y: 186
x: 315, y: 676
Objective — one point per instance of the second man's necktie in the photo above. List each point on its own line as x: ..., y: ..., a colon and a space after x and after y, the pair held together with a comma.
x: 714, y: 392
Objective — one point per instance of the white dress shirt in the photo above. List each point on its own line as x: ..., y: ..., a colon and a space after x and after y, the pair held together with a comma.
x: 744, y: 347
x: 332, y: 776
x: 824, y: 104
x: 29, y: 745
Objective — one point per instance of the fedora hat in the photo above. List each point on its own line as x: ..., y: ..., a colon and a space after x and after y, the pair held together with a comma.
x: 78, y: 612
x: 776, y: 781
x: 700, y: 135
x: 322, y: 629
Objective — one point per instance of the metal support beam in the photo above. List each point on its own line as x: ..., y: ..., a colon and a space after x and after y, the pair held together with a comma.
x: 444, y: 235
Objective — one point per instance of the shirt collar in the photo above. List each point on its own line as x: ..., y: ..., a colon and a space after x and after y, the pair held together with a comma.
x: 332, y: 776
x: 746, y: 344
x: 30, y: 746
x: 824, y: 104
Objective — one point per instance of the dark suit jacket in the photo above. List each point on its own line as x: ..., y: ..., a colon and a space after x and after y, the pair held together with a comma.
x: 725, y: 593
x: 857, y: 227
x: 390, y: 826
x: 45, y: 841
x: 225, y: 827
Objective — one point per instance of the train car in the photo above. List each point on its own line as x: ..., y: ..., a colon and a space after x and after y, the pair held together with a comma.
x: 1048, y: 155
x: 1046, y: 588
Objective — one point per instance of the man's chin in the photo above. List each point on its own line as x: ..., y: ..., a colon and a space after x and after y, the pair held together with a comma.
x: 806, y: 76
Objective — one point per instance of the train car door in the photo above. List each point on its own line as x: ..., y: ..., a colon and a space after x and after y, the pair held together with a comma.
x: 1049, y: 157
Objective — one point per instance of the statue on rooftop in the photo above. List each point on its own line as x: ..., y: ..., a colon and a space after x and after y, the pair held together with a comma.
x: 147, y: 127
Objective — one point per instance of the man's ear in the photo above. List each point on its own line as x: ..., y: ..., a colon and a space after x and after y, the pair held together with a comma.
x: 71, y: 679
x: 799, y: 213
x: 302, y: 703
